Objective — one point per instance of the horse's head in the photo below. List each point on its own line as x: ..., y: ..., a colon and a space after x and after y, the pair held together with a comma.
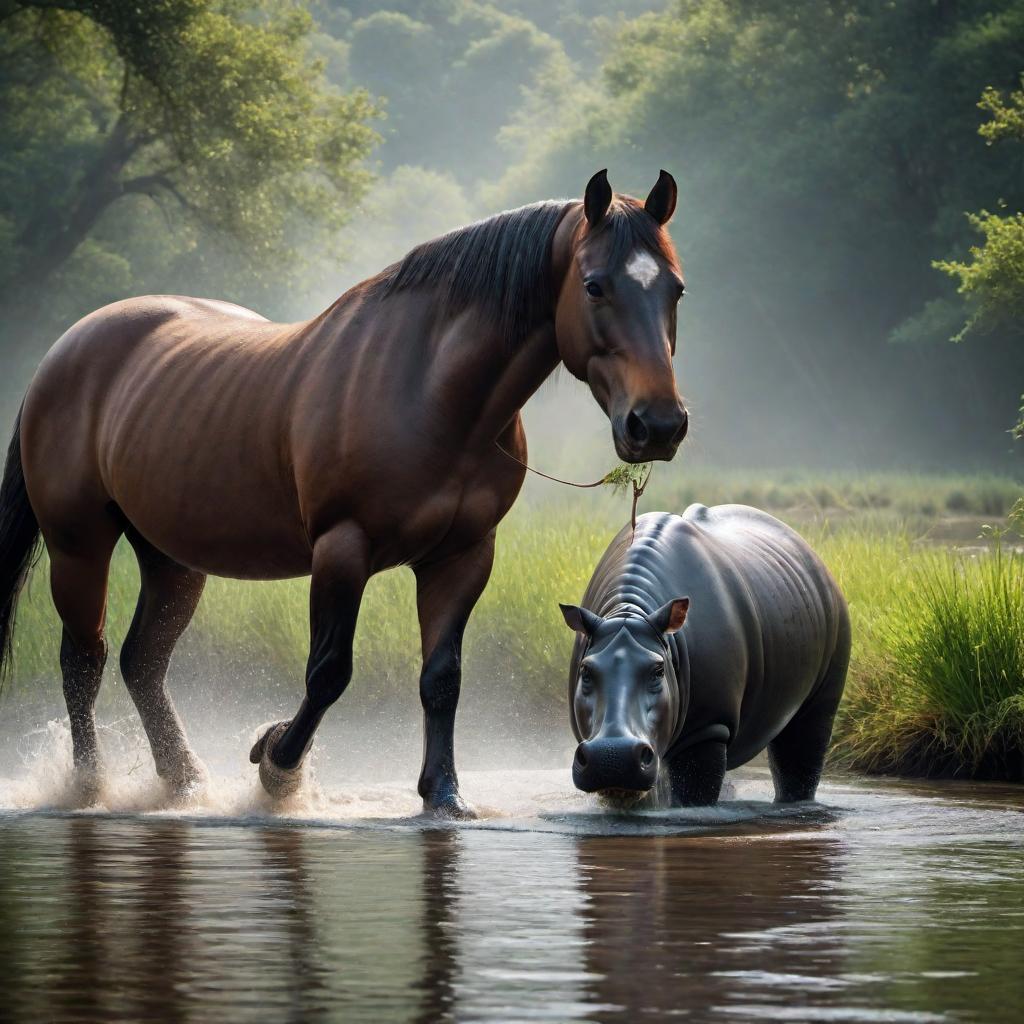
x: 616, y: 315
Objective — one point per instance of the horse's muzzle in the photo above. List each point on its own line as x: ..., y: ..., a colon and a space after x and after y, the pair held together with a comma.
x: 647, y: 435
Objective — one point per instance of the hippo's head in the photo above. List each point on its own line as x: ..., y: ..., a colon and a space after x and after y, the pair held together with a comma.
x: 625, y: 698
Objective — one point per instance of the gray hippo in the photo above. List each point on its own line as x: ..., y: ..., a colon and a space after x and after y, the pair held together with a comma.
x: 668, y: 691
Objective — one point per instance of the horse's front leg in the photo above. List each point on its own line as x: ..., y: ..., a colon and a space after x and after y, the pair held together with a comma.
x: 340, y: 572
x: 446, y: 592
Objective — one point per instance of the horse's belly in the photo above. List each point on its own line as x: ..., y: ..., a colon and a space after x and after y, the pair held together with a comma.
x: 229, y: 524
x: 264, y: 554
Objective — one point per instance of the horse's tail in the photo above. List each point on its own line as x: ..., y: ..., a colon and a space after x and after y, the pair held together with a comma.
x: 19, y: 543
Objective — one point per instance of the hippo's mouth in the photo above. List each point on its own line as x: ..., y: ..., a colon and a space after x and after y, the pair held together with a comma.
x: 621, y: 799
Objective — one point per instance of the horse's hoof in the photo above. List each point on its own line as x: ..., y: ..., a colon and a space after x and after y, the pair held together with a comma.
x: 278, y: 782
x: 87, y: 786
x: 448, y: 807
x: 187, y: 777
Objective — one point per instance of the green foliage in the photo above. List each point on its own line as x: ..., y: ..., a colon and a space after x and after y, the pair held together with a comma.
x: 946, y: 694
x: 206, y: 119
x: 995, y: 275
x: 993, y: 279
x: 825, y: 154
x: 1006, y: 117
x: 455, y: 78
x: 627, y: 476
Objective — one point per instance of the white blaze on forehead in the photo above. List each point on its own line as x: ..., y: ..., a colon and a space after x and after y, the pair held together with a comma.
x: 641, y: 266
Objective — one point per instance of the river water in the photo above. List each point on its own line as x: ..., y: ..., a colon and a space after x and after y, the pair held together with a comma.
x: 883, y: 902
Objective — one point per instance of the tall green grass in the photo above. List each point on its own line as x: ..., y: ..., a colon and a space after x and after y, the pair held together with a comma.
x: 936, y: 683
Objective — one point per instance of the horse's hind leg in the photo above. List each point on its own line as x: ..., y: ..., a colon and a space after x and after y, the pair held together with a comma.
x: 78, y: 582
x: 167, y: 600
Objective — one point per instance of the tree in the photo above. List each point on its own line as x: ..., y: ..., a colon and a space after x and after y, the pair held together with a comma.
x: 825, y: 153
x: 993, y: 278
x: 208, y: 109
x: 453, y: 77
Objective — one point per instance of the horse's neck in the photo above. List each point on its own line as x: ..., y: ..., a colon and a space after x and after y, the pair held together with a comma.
x: 465, y: 373
x: 508, y: 378
x: 515, y: 379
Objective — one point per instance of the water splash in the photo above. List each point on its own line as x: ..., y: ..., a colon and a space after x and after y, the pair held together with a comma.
x: 510, y: 799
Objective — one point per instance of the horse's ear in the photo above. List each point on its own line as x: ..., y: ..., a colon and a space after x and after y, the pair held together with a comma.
x: 661, y: 203
x: 597, y: 198
x: 580, y: 619
x: 669, y: 618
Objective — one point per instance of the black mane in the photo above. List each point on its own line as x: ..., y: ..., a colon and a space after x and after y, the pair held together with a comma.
x: 502, y: 263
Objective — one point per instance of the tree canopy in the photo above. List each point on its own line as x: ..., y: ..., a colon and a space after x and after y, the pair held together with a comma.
x: 135, y: 131
x: 841, y: 217
x: 826, y: 154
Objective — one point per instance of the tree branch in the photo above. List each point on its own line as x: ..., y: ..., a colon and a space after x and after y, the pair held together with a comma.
x: 150, y: 184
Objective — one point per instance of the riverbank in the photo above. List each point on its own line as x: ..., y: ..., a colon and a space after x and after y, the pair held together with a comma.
x: 936, y: 684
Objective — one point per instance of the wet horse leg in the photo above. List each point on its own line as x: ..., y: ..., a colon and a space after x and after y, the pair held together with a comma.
x: 78, y: 582
x: 446, y: 593
x: 340, y: 572
x: 167, y: 600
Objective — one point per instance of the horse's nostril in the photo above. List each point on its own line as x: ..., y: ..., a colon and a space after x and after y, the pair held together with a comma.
x: 646, y: 756
x: 581, y: 757
x: 636, y: 429
x: 683, y: 427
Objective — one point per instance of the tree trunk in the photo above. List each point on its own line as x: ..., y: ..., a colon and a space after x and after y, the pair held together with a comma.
x: 51, y: 238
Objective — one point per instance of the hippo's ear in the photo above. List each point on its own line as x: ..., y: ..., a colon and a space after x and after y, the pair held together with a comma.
x: 669, y: 618
x: 580, y: 619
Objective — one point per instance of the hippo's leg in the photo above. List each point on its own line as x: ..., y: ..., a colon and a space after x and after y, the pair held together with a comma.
x: 446, y: 592
x: 696, y: 774
x: 797, y: 754
x: 340, y: 572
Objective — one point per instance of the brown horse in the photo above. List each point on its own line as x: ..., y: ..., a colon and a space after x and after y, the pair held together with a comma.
x: 366, y: 438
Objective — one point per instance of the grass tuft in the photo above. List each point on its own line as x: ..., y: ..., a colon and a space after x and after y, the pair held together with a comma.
x: 941, y: 691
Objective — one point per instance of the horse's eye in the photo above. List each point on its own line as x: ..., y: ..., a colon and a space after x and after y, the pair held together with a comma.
x: 586, y: 678
x: 594, y: 290
x: 658, y: 671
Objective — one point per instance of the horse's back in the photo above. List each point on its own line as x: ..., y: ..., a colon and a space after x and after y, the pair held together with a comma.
x: 109, y: 341
x: 147, y: 403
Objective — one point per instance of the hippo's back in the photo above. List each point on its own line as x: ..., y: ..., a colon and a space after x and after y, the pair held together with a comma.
x: 765, y: 614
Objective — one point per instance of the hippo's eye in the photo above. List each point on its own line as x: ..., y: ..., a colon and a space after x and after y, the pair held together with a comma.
x: 657, y: 678
x: 594, y: 290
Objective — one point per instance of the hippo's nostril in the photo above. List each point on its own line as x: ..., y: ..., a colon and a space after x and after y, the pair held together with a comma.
x: 646, y: 756
x: 581, y: 757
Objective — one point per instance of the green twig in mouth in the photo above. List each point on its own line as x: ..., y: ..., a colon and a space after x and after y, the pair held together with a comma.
x: 625, y: 475
x: 630, y: 475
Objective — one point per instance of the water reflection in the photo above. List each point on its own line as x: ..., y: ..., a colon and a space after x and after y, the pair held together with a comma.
x: 693, y: 924
x: 143, y: 919
x: 439, y: 952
